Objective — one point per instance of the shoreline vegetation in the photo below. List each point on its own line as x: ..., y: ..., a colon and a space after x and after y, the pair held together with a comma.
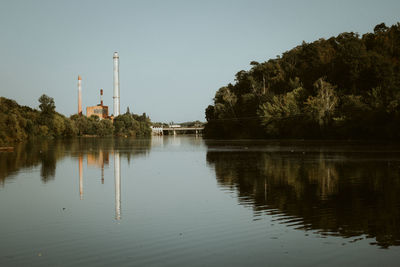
x: 345, y: 87
x: 19, y: 123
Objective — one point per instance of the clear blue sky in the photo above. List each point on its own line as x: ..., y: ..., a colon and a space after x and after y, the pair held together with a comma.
x: 174, y: 55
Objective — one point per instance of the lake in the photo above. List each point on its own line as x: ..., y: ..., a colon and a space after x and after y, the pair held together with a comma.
x: 185, y: 201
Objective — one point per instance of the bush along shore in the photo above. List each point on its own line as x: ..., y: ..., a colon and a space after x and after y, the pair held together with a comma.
x: 347, y: 86
x: 19, y: 123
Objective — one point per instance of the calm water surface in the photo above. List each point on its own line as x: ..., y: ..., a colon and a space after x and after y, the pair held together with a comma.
x: 184, y: 201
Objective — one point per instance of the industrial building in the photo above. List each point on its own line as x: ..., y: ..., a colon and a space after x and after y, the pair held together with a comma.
x: 100, y: 110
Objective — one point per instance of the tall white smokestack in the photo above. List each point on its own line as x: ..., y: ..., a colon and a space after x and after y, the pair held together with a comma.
x: 79, y: 95
x: 116, y: 84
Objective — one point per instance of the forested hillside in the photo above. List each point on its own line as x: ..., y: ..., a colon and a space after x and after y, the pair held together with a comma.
x: 18, y: 123
x: 347, y: 86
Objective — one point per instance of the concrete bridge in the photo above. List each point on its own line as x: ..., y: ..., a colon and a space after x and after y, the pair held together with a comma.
x: 175, y: 130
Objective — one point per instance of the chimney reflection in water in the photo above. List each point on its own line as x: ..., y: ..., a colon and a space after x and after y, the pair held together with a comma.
x: 81, y: 177
x: 117, y: 177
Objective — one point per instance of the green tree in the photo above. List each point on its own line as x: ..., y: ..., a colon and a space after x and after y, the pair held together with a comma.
x: 280, y: 115
x: 322, y: 106
x: 47, y: 105
x: 105, y: 128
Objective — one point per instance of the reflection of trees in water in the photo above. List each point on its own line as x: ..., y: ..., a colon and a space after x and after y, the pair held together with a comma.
x: 46, y: 153
x: 31, y: 155
x: 49, y: 162
x: 331, y: 193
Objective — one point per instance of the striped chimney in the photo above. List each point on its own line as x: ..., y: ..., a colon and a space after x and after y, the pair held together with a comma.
x: 79, y: 95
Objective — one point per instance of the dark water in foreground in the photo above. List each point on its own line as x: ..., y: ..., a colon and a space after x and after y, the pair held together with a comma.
x: 184, y: 201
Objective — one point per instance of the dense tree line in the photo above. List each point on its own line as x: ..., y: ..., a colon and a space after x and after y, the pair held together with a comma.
x: 130, y: 124
x: 196, y: 123
x: 19, y: 123
x: 343, y: 87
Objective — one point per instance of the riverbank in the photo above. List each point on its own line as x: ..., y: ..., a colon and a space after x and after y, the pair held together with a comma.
x: 20, y: 123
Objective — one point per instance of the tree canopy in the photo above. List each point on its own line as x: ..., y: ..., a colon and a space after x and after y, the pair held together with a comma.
x: 347, y: 86
x: 47, y: 105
